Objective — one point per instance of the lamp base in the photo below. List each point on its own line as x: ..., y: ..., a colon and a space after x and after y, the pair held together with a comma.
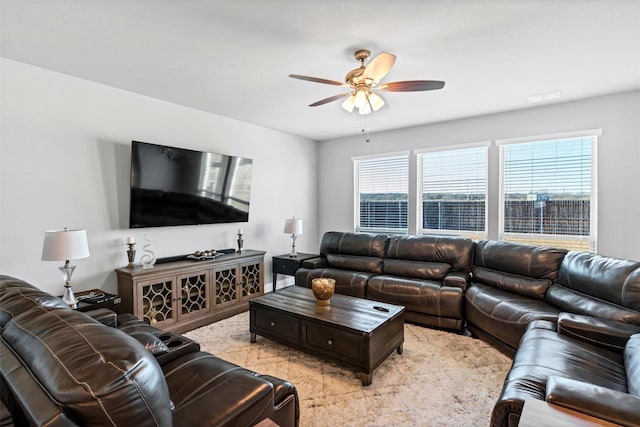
x: 69, y: 297
x: 293, y: 252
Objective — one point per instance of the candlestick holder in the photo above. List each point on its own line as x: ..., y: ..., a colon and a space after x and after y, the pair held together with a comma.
x: 131, y: 254
x: 240, y: 243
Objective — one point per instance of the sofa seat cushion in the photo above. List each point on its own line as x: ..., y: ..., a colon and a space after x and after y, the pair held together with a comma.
x: 353, y: 283
x: 226, y: 395
x: 576, y: 302
x: 502, y: 314
x: 422, y: 296
x: 543, y: 353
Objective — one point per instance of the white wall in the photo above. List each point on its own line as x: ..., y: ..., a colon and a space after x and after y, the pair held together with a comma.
x: 618, y: 161
x: 65, y: 159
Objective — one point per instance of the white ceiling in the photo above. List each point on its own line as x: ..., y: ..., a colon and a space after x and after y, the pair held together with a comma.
x: 232, y: 58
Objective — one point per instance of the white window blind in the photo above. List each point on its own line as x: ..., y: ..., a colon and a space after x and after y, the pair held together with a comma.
x: 548, y: 192
x: 453, y: 189
x: 382, y: 186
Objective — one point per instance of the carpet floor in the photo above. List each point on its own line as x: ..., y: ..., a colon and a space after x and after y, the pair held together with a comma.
x: 441, y: 379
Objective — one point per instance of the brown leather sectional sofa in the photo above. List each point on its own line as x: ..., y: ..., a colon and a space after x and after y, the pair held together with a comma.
x: 60, y: 367
x: 428, y: 274
x: 570, y: 320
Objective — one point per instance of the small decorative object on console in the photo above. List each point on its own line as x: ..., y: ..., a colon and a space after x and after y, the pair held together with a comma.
x: 240, y: 240
x: 323, y: 289
x: 203, y: 255
x: 131, y: 252
x: 148, y: 259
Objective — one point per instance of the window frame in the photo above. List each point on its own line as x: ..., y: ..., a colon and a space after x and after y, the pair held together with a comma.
x: 356, y: 192
x: 592, y: 238
x: 419, y: 190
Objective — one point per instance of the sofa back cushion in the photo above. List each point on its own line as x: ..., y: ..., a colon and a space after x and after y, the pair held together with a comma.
x: 609, y: 279
x: 96, y: 373
x: 632, y: 364
x: 427, y: 257
x: 356, y: 263
x: 17, y: 296
x: 576, y: 302
x: 354, y: 251
x: 524, y: 269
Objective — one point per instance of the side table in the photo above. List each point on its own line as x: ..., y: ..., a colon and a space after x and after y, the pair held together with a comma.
x: 112, y: 304
x: 288, y: 265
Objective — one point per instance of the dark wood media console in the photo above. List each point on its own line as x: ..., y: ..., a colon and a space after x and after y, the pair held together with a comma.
x: 184, y: 295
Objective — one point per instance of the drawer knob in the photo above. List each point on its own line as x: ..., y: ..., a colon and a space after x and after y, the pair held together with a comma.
x: 330, y: 342
x: 273, y: 324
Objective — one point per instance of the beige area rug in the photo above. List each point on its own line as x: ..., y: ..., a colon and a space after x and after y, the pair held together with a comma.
x: 441, y: 379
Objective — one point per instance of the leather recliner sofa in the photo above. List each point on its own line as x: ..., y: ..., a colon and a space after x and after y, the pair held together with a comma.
x: 61, y: 367
x: 585, y: 364
x: 426, y: 274
x: 513, y: 285
x: 570, y: 320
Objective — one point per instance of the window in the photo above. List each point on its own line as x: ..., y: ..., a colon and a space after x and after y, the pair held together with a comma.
x: 548, y: 192
x: 381, y: 193
x: 453, y: 191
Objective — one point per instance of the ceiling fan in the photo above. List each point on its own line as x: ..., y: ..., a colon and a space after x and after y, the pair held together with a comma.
x: 365, y: 80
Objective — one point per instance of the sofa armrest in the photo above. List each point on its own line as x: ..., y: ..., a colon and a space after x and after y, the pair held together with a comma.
x: 602, y: 332
x: 104, y: 316
x: 596, y: 401
x: 457, y: 279
x: 312, y: 263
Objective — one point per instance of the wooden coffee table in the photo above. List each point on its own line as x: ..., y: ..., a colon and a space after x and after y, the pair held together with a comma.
x: 353, y: 332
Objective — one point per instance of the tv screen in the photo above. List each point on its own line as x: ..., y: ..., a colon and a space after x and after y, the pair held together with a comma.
x: 177, y: 186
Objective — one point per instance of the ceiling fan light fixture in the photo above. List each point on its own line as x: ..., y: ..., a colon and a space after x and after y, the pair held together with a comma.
x: 360, y: 98
x: 365, y: 109
x: 349, y: 104
x: 376, y: 101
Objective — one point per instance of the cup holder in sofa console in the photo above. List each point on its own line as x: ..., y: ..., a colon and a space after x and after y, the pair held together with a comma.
x: 178, y: 345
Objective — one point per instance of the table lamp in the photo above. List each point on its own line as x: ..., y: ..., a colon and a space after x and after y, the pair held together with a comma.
x: 64, y: 245
x: 293, y: 226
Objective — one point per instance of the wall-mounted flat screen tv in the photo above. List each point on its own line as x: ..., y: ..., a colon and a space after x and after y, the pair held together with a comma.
x: 177, y: 186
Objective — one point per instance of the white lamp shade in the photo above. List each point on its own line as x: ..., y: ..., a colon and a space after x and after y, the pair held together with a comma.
x: 360, y: 99
x: 62, y: 245
x: 365, y: 108
x: 376, y: 101
x: 293, y: 226
x: 348, y: 103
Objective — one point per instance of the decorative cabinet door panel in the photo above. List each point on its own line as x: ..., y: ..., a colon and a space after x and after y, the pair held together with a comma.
x: 251, y: 279
x: 225, y: 285
x: 193, y: 294
x: 156, y: 304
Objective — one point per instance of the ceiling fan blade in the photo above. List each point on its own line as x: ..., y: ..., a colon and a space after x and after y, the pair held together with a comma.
x: 317, y: 80
x: 329, y: 99
x: 379, y: 66
x: 412, y: 86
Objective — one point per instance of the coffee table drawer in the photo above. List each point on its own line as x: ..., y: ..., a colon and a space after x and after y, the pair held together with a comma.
x: 270, y: 323
x: 333, y: 342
